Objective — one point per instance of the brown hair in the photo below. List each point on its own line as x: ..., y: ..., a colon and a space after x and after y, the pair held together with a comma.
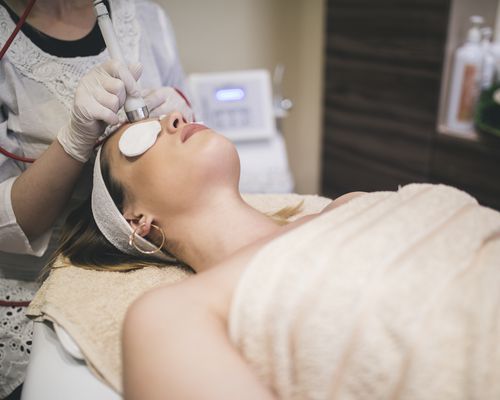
x: 83, y: 244
x: 282, y: 216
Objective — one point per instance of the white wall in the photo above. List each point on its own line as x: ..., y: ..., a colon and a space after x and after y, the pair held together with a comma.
x: 497, y: 23
x: 219, y: 35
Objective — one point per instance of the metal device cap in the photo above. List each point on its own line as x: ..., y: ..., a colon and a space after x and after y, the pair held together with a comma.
x: 138, y: 114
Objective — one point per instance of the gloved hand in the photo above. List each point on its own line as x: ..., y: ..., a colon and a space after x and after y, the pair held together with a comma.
x: 99, y: 96
x: 166, y: 99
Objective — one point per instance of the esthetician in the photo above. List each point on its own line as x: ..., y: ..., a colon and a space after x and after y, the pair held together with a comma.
x: 58, y: 90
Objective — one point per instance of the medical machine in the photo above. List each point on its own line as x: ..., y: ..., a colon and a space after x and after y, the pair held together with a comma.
x: 57, y: 369
x: 236, y: 104
x: 239, y: 105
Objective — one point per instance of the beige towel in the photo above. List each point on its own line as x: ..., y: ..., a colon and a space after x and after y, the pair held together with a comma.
x: 392, y: 296
x: 91, y: 305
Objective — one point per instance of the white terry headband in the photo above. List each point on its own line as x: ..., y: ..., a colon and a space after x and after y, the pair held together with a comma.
x: 111, y: 222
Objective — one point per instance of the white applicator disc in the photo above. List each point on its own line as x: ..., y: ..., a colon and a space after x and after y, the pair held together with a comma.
x: 138, y: 138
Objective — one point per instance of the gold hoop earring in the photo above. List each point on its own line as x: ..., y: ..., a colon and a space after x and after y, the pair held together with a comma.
x: 131, y: 240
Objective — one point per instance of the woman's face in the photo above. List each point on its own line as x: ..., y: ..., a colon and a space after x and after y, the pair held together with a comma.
x: 178, y: 172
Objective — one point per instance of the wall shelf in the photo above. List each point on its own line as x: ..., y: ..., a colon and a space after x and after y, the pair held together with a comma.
x: 471, y: 135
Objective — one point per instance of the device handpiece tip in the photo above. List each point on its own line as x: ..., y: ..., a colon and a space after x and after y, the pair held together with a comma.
x: 137, y: 114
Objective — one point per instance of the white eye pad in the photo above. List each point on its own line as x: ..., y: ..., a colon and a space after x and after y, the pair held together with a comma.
x: 138, y: 138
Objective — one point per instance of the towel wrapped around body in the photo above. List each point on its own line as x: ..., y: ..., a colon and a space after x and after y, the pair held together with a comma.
x: 395, y: 295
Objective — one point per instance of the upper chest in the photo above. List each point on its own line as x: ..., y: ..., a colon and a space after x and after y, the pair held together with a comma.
x: 218, y: 285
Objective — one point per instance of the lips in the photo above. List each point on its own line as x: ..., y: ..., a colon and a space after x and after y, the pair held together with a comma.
x: 190, y: 129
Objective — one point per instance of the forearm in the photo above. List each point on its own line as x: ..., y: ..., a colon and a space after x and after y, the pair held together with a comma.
x: 41, y: 192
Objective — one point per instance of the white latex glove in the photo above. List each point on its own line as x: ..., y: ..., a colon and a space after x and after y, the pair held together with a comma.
x: 166, y: 99
x: 99, y: 96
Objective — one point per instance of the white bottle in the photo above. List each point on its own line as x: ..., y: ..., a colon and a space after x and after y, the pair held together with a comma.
x: 495, y: 52
x: 465, y: 80
x: 488, y: 69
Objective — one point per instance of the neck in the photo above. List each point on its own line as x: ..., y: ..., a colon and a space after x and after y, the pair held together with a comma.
x: 61, y: 19
x: 57, y: 8
x: 218, y: 230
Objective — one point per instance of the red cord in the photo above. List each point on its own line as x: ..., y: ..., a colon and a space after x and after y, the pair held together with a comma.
x: 6, y: 303
x: 2, y: 52
x: 179, y: 92
x: 15, y: 156
x: 18, y: 27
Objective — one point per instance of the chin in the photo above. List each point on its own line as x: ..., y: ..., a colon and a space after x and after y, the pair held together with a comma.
x: 220, y: 162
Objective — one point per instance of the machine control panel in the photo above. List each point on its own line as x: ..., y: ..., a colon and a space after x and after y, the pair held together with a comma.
x: 237, y: 104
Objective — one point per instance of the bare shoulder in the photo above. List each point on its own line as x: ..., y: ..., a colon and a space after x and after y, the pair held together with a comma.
x: 332, y: 205
x: 342, y: 200
x: 219, y: 283
x: 210, y: 291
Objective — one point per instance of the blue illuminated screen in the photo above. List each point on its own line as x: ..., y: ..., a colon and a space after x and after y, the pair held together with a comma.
x: 230, y: 94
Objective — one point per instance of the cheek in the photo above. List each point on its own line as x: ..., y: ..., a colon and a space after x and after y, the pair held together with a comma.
x: 216, y: 163
x: 179, y: 180
x: 167, y: 184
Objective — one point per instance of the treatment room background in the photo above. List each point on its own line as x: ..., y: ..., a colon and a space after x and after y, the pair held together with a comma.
x: 368, y: 80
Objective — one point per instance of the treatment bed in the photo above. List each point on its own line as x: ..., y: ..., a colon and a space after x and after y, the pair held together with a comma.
x: 57, y: 369
x: 392, y: 295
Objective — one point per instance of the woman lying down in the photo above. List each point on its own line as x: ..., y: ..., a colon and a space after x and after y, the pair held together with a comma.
x: 385, y: 295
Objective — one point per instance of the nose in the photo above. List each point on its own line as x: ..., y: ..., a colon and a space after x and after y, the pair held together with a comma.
x: 175, y: 122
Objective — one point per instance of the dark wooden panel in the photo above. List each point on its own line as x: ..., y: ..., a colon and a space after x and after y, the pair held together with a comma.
x: 381, y: 140
x: 387, y: 95
x: 383, y: 63
x: 471, y: 166
x: 348, y: 170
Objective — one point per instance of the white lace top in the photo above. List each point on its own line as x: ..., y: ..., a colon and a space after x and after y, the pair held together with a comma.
x: 36, y: 92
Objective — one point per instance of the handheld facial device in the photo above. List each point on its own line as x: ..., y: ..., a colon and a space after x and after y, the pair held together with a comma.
x: 135, y: 107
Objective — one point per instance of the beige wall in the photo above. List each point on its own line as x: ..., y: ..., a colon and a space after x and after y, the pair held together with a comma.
x: 497, y: 23
x: 219, y: 35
